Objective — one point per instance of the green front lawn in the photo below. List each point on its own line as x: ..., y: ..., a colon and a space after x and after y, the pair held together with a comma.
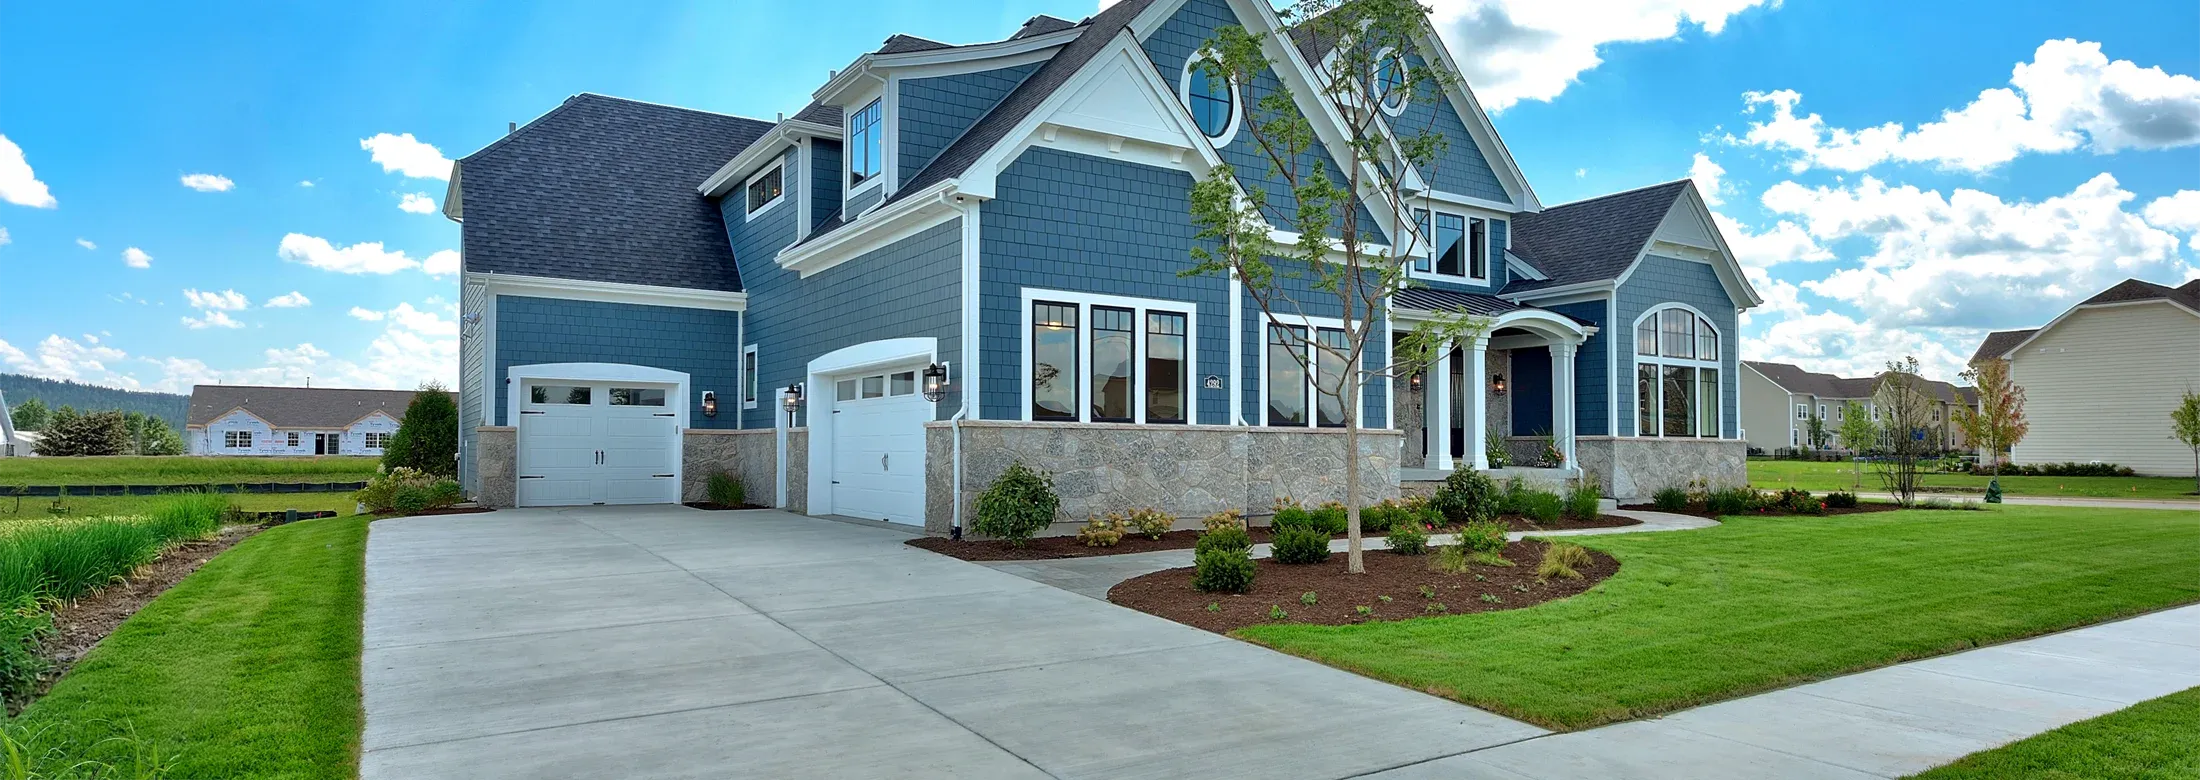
x: 34, y: 509
x: 1822, y: 477
x: 182, y: 470
x: 1760, y: 603
x: 249, y: 668
x: 2153, y: 739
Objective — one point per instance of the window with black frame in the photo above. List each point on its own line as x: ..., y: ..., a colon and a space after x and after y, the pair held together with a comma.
x: 864, y: 161
x: 1053, y: 361
x: 1677, y: 382
x: 1167, y: 375
x: 1113, y: 335
x: 1331, y: 385
x: 1287, y: 385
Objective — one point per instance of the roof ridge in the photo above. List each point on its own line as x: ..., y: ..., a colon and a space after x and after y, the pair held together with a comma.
x: 1614, y: 194
x: 639, y: 101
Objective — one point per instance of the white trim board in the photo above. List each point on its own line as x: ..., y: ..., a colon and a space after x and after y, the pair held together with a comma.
x: 1139, y: 307
x: 606, y: 292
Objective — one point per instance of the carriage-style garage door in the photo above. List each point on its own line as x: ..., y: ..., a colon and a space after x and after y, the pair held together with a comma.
x: 586, y: 443
x: 878, y: 446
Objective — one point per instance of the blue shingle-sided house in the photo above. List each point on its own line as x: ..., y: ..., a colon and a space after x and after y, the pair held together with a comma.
x: 956, y: 257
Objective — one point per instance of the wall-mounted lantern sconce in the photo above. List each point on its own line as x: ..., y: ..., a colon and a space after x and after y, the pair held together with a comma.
x: 790, y: 399
x: 1415, y: 382
x: 1497, y: 384
x: 710, y: 404
x: 935, y: 382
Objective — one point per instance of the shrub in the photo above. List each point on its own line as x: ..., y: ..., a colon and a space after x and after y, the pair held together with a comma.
x: 1228, y: 518
x: 1151, y: 522
x: 1102, y: 532
x: 1841, y: 499
x: 1539, y: 505
x: 1223, y: 570
x: 1942, y: 503
x: 1583, y: 502
x: 1794, y: 501
x: 1467, y: 496
x: 408, y: 491
x: 1483, y: 536
x: 1450, y: 559
x: 1408, y: 537
x: 2058, y: 470
x: 725, y: 490
x: 1562, y: 560
x: 1224, y: 539
x: 1731, y: 501
x: 427, y: 437
x: 1380, y: 517
x: 23, y: 624
x: 1292, y: 516
x: 1300, y: 545
x: 1331, y: 519
x: 1018, y: 504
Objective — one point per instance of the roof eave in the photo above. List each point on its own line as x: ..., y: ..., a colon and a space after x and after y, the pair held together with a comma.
x: 786, y: 132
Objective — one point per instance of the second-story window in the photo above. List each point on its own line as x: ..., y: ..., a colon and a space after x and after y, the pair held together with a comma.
x: 863, y: 144
x: 1458, y: 246
x: 765, y: 189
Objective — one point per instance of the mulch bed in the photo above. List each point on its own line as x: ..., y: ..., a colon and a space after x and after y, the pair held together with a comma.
x: 717, y: 507
x: 81, y: 624
x: 1169, y: 594
x: 1519, y: 523
x: 452, y: 510
x: 1694, y: 511
x: 1054, y: 547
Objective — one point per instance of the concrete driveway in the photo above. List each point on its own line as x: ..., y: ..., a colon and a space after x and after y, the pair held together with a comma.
x: 665, y: 642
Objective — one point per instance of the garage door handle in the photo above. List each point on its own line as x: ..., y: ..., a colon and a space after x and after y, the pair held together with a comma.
x: 882, y: 461
x: 530, y: 476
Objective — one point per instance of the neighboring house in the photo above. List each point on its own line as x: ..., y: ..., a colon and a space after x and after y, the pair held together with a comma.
x: 2101, y: 379
x: 1779, y: 400
x: 249, y: 420
x: 1003, y: 225
x: 9, y: 444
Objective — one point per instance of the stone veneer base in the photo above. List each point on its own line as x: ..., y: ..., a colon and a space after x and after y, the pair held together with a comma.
x: 1633, y: 468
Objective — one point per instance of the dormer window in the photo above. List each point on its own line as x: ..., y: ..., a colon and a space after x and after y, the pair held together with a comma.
x: 1211, y: 98
x: 1458, y: 247
x: 864, y: 160
x: 766, y: 189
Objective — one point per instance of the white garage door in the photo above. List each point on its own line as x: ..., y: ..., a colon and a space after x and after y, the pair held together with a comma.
x: 878, y: 447
x: 583, y: 444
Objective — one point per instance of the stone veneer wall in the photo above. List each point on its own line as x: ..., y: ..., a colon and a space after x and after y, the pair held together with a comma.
x: 1632, y: 468
x: 798, y: 470
x: 1188, y: 471
x: 496, y: 464
x: 707, y: 451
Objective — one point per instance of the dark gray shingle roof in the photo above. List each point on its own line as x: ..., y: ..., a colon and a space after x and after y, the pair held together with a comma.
x: 1999, y: 343
x: 297, y: 407
x: 1590, y: 240
x: 1041, y: 25
x: 903, y: 44
x: 2139, y: 290
x: 603, y: 189
x: 1796, y: 380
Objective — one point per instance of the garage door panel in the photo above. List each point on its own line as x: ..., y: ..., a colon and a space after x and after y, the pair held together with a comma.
x: 579, y: 454
x: 878, y: 458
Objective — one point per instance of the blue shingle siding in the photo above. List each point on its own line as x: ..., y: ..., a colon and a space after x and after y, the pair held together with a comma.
x: 1592, y: 369
x: 935, y: 111
x: 1174, y: 42
x: 860, y: 201
x: 762, y: 236
x: 1531, y: 391
x: 702, y: 343
x: 1499, y: 273
x: 1070, y: 222
x: 824, y: 179
x: 1310, y: 303
x: 1461, y: 169
x: 1661, y: 280
x: 910, y: 288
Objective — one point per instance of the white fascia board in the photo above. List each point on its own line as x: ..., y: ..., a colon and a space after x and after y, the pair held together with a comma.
x: 1533, y: 273
x: 1478, y: 124
x: 845, y: 79
x: 453, y: 197
x: 867, y: 65
x: 1565, y: 293
x: 1496, y: 210
x: 606, y: 292
x: 876, y: 228
x: 769, y: 147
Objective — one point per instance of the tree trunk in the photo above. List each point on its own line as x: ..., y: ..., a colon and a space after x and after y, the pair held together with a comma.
x: 1354, y: 563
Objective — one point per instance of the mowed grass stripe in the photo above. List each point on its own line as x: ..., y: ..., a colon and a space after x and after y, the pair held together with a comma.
x: 183, y: 470
x: 1760, y: 603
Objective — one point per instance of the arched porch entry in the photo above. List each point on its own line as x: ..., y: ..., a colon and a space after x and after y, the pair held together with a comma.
x: 1516, y: 378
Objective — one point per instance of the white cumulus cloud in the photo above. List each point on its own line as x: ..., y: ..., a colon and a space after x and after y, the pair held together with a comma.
x: 293, y: 300
x: 63, y: 358
x: 416, y: 203
x: 1706, y: 174
x: 18, y: 185
x: 226, y: 300
x: 86, y: 243
x: 362, y: 258
x: 136, y: 258
x: 2179, y: 212
x: 211, y: 319
x: 1515, y: 50
x: 443, y: 263
x: 368, y: 315
x: 4, y: 239
x: 2069, y: 97
x: 407, y: 155
x: 207, y: 182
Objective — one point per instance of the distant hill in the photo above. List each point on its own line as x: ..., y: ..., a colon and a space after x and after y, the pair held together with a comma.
x: 57, y: 394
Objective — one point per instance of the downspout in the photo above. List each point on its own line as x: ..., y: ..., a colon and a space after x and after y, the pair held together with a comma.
x: 970, y: 257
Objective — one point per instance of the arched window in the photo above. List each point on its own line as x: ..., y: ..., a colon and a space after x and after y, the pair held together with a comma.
x: 1389, y: 82
x: 1676, y: 373
x: 1212, y: 98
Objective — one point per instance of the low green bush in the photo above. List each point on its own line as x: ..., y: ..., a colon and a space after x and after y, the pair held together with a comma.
x: 1841, y: 499
x: 1102, y: 532
x: 408, y: 491
x: 1793, y: 501
x: 1331, y: 518
x: 1149, y: 521
x: 1228, y: 518
x: 1467, y: 496
x: 1539, y: 505
x: 1379, y: 518
x: 1223, y: 570
x: 1408, y: 537
x: 1483, y: 537
x: 1300, y: 545
x: 2057, y: 470
x: 1670, y: 499
x: 1562, y: 560
x: 1582, y: 502
x: 725, y: 490
x: 1224, y: 539
x: 1731, y: 501
x: 1018, y: 504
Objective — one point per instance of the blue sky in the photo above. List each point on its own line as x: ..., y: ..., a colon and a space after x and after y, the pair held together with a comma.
x: 291, y: 120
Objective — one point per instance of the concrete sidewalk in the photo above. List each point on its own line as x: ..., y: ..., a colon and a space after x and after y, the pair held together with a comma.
x: 665, y: 642
x: 1888, y: 722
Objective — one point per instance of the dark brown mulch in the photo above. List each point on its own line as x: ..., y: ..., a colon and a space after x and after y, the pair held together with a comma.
x: 1694, y: 511
x: 81, y: 624
x: 1519, y: 523
x: 1169, y: 593
x: 717, y: 507
x: 1052, y: 547
x: 452, y: 510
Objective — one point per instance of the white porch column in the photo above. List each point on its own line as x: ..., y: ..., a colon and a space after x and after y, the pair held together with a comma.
x: 1438, y: 409
x: 1478, y: 401
x: 1562, y: 399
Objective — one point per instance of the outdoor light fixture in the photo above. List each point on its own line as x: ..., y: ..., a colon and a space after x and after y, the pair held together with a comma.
x: 790, y: 399
x: 710, y: 404
x: 1497, y: 384
x: 935, y: 382
x: 1415, y: 382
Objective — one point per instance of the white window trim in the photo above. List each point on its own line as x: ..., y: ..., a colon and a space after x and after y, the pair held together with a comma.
x: 1802, y: 411
x: 1313, y: 394
x: 228, y: 437
x: 751, y: 363
x: 1237, y: 102
x: 1374, y: 76
x: 1718, y: 426
x: 1428, y: 246
x: 780, y: 167
x: 848, y: 157
x: 1139, y: 306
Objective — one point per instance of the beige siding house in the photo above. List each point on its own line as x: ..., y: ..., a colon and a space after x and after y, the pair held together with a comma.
x: 1780, y: 399
x: 2100, y: 380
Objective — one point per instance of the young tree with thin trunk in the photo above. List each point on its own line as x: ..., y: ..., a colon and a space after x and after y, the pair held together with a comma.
x: 2185, y: 427
x: 1857, y: 434
x: 1998, y: 423
x: 1315, y: 239
x: 1904, y: 409
x: 1817, y: 432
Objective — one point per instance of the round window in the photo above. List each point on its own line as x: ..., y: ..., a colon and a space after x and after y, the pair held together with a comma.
x: 1211, y: 98
x: 1389, y: 83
